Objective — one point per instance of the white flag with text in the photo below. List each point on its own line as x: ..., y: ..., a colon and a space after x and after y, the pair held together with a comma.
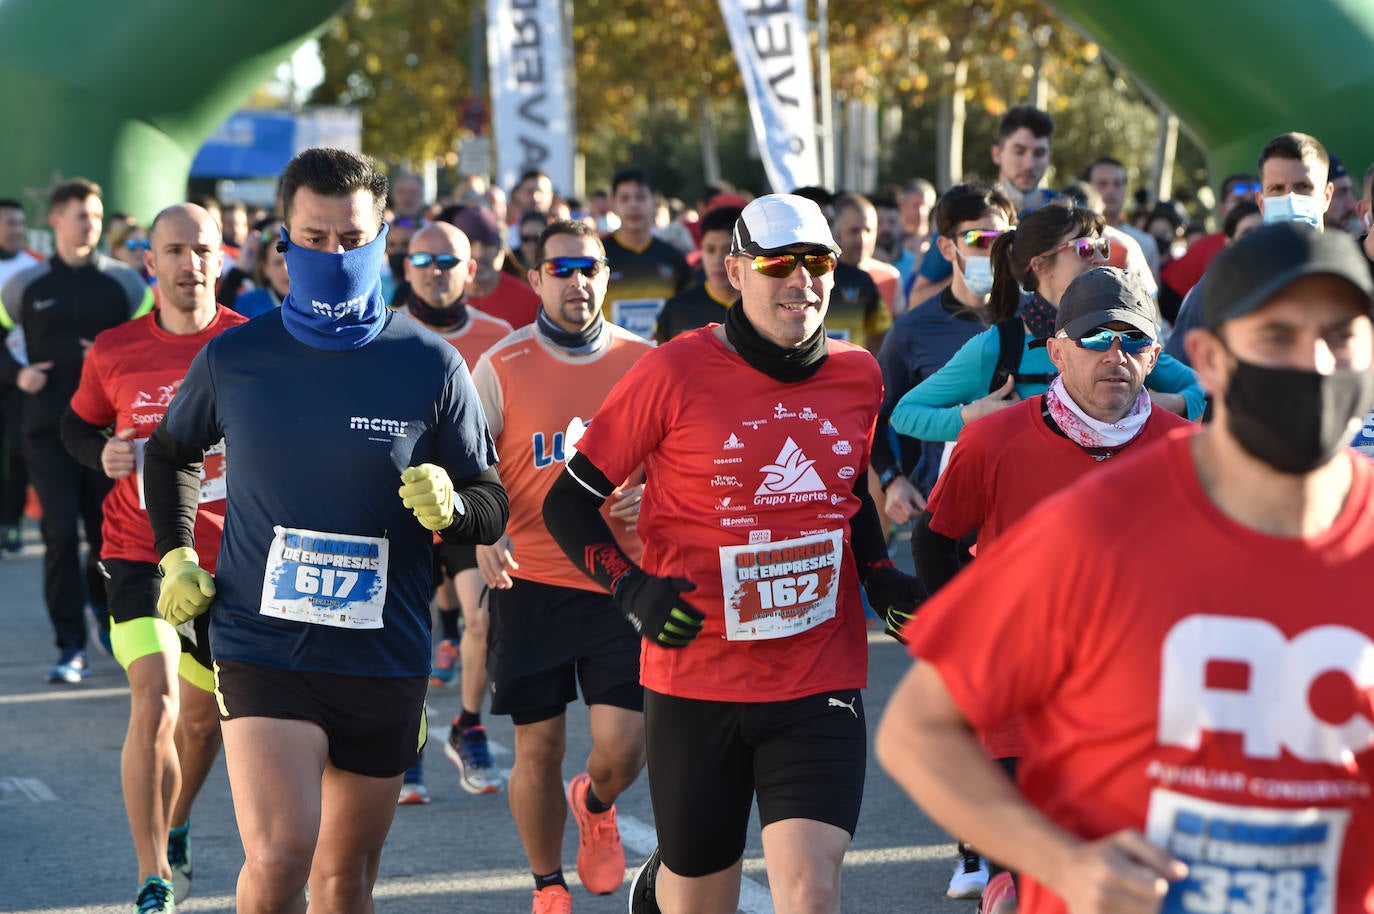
x: 531, y: 90
x: 771, y: 43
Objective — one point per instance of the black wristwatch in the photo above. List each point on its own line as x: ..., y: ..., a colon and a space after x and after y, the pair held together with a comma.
x: 886, y: 477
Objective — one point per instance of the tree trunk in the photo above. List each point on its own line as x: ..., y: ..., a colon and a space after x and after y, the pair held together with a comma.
x: 949, y: 149
x: 1162, y: 175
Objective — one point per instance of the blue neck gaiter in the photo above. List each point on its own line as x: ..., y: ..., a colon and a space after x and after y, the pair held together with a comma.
x: 335, y: 300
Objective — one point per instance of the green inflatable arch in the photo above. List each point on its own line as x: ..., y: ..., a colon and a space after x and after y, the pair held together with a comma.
x: 1240, y: 72
x: 125, y: 93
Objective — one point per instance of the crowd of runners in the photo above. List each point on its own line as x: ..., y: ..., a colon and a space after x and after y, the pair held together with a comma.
x: 658, y: 459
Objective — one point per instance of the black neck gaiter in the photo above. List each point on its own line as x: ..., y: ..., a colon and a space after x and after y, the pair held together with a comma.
x: 788, y: 365
x: 575, y: 342
x: 454, y: 317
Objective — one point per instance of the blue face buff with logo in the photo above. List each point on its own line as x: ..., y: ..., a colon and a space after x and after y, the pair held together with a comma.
x: 335, y: 300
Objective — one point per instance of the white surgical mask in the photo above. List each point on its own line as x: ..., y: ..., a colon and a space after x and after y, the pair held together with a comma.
x: 978, y: 274
x: 1293, y: 208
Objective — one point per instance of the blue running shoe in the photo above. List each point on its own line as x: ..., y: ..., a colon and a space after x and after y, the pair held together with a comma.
x: 468, y: 750
x: 155, y: 897
x: 70, y: 668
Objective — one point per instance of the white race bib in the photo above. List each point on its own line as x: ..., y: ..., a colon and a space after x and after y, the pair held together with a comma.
x: 1248, y: 860
x: 212, y: 472
x: 332, y: 579
x: 776, y: 590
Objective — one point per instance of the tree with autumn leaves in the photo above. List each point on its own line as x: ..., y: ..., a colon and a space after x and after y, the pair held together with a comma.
x: 650, y: 74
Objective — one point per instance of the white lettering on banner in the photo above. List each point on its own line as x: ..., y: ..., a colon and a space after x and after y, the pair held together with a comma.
x: 769, y: 38
x: 1221, y: 674
x: 531, y: 90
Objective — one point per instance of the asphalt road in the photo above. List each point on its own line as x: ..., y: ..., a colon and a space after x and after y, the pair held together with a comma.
x: 65, y: 846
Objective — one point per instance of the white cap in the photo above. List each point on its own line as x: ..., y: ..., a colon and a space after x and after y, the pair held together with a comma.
x: 775, y: 222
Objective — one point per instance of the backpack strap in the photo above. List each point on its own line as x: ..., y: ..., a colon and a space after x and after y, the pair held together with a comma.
x: 1011, y: 337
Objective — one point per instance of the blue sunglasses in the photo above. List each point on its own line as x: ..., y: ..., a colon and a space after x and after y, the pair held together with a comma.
x: 1101, y: 339
x: 442, y: 261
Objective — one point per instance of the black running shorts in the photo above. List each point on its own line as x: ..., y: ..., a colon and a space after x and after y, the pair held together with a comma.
x: 132, y: 589
x: 375, y: 725
x: 804, y: 759
x: 544, y: 640
x: 451, y: 558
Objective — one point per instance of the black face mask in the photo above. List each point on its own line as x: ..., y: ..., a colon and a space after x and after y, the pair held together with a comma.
x: 1293, y: 420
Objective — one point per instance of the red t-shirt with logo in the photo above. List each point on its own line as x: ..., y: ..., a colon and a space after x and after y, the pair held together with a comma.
x: 128, y: 380
x: 750, y: 494
x: 538, y: 401
x: 1003, y: 466
x: 1181, y: 674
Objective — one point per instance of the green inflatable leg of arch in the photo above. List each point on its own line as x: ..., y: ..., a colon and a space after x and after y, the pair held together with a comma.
x: 1240, y: 72
x: 125, y: 93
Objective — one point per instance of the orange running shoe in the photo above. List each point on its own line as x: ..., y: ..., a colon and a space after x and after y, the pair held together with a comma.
x: 600, y: 855
x: 554, y: 899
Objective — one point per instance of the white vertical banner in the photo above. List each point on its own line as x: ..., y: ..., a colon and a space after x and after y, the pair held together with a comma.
x: 770, y: 40
x: 531, y: 90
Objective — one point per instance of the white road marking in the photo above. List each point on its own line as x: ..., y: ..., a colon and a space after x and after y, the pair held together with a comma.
x: 25, y: 790
x: 66, y: 694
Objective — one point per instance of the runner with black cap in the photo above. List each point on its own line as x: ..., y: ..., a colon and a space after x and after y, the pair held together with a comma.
x: 1177, y: 635
x: 758, y: 529
x: 1105, y: 343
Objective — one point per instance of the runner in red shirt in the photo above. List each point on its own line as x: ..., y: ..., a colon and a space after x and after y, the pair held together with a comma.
x: 128, y: 379
x: 758, y: 528
x: 1177, y: 633
x: 1005, y: 463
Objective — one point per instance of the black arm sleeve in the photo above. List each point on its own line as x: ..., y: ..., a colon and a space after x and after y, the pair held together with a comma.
x: 171, y: 487
x: 572, y: 512
x: 866, y: 536
x: 486, y: 508
x: 82, y: 440
x: 936, y: 555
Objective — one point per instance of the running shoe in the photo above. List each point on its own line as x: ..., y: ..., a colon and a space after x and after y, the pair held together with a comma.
x: 469, y: 751
x: 70, y: 668
x: 600, y: 855
x: 413, y: 790
x: 554, y: 899
x: 643, y: 899
x: 445, y: 664
x: 179, y: 856
x: 970, y: 875
x: 1000, y: 895
x: 155, y: 897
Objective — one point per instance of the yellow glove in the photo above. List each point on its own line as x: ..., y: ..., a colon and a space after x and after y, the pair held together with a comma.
x: 429, y: 493
x: 187, y: 589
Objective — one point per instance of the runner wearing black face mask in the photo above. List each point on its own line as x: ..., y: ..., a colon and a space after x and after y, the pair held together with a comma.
x: 1205, y: 729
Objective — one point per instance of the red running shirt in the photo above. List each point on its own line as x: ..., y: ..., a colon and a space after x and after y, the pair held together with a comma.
x: 1003, y: 465
x: 128, y: 380
x: 1178, y: 673
x: 750, y: 494
x: 535, y: 398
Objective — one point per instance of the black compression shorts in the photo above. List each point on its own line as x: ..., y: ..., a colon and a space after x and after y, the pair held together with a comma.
x: 803, y: 758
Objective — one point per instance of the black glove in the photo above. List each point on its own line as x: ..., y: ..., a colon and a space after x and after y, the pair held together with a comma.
x: 656, y: 609
x: 894, y: 596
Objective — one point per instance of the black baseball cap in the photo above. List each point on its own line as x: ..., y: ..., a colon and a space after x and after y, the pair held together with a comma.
x: 1244, y: 276
x: 1103, y: 295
